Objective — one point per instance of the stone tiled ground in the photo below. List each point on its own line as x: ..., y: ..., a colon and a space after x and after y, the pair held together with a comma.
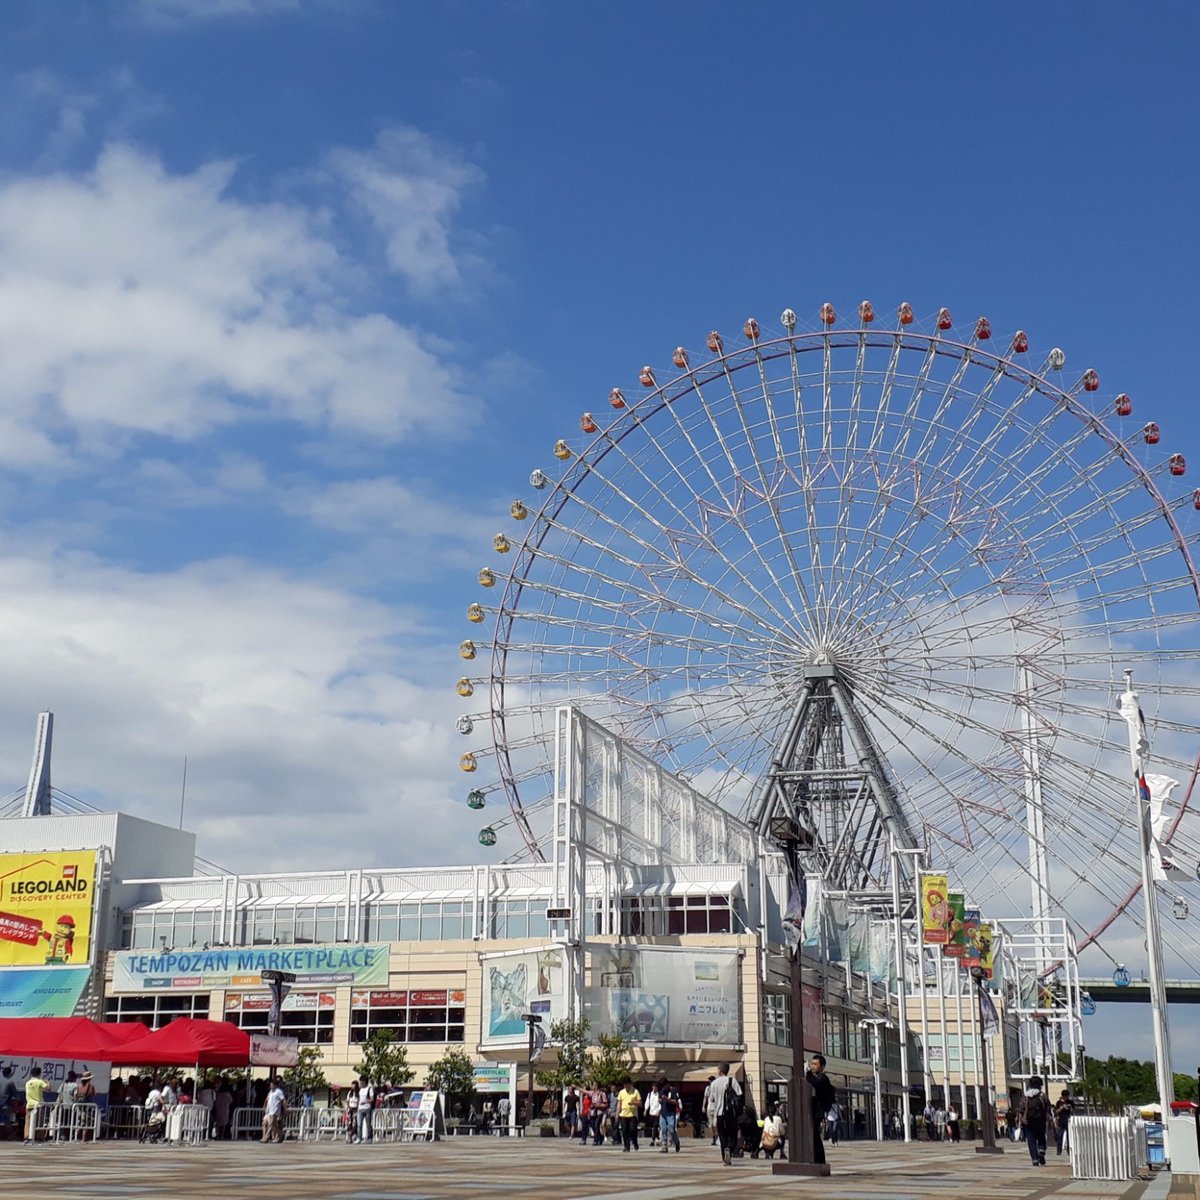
x: 541, y: 1169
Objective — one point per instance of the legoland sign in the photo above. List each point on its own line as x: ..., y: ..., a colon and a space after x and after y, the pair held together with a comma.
x: 46, y: 908
x: 242, y: 967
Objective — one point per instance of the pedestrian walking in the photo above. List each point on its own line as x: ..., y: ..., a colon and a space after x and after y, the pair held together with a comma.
x: 952, y: 1123
x: 704, y: 1107
x: 724, y: 1105
x: 1035, y: 1117
x: 599, y: 1099
x: 366, y: 1112
x: 1063, y: 1109
x: 629, y: 1103
x: 833, y: 1119
x: 668, y: 1122
x: 653, y: 1112
x: 929, y: 1117
x: 571, y: 1111
x: 273, y: 1109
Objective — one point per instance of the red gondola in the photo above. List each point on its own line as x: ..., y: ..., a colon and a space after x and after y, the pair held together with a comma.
x: 905, y: 313
x: 750, y: 329
x: 587, y: 424
x: 1091, y: 381
x: 828, y: 316
x: 1196, y: 499
x: 646, y: 375
x: 1123, y: 405
x: 715, y: 342
x: 944, y: 320
x: 1151, y: 434
x: 616, y: 398
x: 983, y: 329
x: 1020, y: 342
x: 680, y: 357
x: 866, y: 312
x: 1177, y: 464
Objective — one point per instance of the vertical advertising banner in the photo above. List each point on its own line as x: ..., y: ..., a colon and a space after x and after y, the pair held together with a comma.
x: 515, y: 984
x: 986, y: 943
x: 955, y: 944
x: 46, y: 908
x: 970, y: 956
x: 935, y: 913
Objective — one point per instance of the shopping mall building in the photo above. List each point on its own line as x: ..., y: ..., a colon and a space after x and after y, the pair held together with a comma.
x: 683, y: 958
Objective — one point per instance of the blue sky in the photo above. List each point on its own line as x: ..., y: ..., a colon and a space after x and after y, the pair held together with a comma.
x: 294, y: 294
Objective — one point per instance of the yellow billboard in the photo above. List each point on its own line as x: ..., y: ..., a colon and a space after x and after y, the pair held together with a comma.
x: 46, y: 902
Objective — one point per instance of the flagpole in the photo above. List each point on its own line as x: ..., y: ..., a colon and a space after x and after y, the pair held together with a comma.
x: 1138, y: 749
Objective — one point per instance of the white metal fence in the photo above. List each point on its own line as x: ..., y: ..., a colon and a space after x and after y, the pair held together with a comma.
x: 1108, y: 1147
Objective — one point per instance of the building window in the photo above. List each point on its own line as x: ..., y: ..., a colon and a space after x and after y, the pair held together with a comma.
x: 414, y: 1016
x: 835, y: 1034
x: 306, y: 1016
x: 777, y: 1007
x: 674, y: 916
x: 156, y: 1010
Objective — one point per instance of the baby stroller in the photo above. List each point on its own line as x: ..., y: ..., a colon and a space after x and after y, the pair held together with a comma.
x: 155, y: 1128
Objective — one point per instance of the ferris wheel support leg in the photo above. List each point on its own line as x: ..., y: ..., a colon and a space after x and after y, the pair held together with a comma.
x: 1039, y: 871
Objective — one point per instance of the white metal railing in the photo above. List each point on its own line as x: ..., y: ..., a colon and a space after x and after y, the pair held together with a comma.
x: 247, y: 1122
x: 1107, y: 1147
x: 122, y: 1121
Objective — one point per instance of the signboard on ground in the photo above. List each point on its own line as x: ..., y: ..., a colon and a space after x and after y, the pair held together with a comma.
x: 491, y: 1077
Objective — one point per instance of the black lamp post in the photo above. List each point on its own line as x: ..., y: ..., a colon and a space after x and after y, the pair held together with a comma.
x: 988, y: 1116
x: 533, y: 1020
x: 785, y: 834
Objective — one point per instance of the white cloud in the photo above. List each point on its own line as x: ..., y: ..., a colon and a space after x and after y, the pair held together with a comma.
x: 411, y: 189
x: 312, y: 734
x: 174, y: 12
x: 135, y: 301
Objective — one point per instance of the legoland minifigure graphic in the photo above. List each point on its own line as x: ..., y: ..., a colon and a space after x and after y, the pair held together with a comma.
x: 62, y: 940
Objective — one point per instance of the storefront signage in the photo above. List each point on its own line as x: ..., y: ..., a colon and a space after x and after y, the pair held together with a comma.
x: 292, y: 1002
x: 268, y: 1051
x: 198, y: 970
x: 486, y: 1077
x: 435, y: 999
x: 46, y: 902
x: 514, y: 984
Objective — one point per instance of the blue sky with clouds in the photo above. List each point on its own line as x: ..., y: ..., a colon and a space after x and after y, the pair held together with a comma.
x: 294, y: 294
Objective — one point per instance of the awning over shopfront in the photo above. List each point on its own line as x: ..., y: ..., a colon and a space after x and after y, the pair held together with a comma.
x: 187, y: 1042
x: 67, y: 1037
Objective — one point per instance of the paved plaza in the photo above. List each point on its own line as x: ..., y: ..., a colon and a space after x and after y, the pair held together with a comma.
x: 541, y: 1169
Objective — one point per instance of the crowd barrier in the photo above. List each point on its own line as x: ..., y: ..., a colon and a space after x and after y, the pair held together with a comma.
x: 122, y: 1121
x: 1108, y: 1147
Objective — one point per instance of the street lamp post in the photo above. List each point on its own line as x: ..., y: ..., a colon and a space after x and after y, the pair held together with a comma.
x: 985, y: 1101
x: 786, y: 835
x: 875, y: 1023
x: 533, y: 1020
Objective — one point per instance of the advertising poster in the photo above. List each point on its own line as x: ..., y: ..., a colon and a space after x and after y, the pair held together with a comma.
x: 41, y: 991
x: 665, y: 995
x: 955, y: 944
x: 46, y: 904
x: 935, y: 912
x: 970, y: 933
x: 514, y: 984
x: 987, y: 939
x: 814, y: 1020
x: 196, y: 970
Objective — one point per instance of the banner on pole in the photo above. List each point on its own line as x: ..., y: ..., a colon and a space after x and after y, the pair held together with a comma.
x: 955, y: 945
x: 935, y: 914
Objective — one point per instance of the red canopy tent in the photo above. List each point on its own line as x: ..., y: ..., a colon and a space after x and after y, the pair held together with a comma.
x: 186, y: 1042
x: 66, y: 1037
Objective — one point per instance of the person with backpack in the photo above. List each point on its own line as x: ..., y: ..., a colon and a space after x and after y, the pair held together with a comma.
x: 1035, y: 1115
x: 670, y: 1102
x: 724, y: 1107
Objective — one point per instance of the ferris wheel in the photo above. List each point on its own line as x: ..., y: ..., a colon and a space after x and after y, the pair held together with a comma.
x: 953, y: 542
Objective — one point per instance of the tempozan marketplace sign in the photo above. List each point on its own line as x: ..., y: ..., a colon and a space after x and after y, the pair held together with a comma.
x: 361, y: 965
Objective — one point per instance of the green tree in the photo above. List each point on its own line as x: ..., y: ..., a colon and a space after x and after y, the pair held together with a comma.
x: 612, y: 1061
x: 570, y: 1039
x: 384, y: 1060
x: 1185, y: 1087
x: 453, y: 1074
x: 307, y: 1075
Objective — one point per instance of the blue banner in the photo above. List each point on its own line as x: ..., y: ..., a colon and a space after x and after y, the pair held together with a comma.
x: 41, y: 991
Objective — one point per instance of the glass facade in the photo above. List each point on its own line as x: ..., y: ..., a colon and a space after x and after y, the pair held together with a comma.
x: 306, y: 1016
x: 156, y: 1009
x: 659, y: 916
x: 410, y: 1016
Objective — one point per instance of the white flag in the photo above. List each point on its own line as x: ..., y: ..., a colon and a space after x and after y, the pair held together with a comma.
x: 1139, y: 743
x: 1162, y: 862
x: 991, y: 1018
